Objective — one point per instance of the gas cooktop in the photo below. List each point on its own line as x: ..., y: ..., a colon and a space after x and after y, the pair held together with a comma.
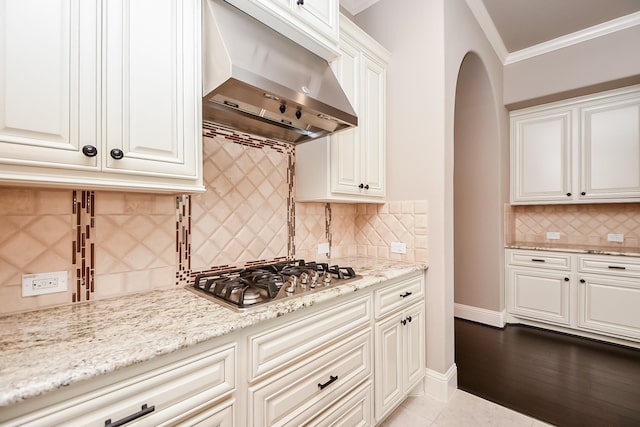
x: 245, y: 288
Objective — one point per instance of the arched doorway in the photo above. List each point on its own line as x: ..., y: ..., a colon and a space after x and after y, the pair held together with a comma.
x: 478, y: 208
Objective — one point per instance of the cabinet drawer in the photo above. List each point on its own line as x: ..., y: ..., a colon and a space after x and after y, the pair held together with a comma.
x: 610, y: 265
x: 302, y: 392
x: 539, y: 259
x: 399, y: 295
x: 284, y: 345
x: 354, y: 410
x: 172, y: 390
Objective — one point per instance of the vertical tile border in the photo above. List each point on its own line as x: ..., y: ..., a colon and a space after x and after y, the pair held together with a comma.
x: 82, y: 246
x: 183, y: 239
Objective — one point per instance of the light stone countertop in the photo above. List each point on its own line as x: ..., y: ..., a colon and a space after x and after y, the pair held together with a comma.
x: 573, y: 248
x: 86, y: 340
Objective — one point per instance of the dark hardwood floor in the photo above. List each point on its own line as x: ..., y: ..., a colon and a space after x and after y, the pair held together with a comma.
x: 560, y: 379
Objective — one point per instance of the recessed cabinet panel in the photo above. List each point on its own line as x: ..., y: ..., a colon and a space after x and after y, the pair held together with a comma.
x: 151, y: 116
x: 373, y: 135
x: 611, y: 146
x: 48, y: 71
x: 610, y: 305
x: 539, y: 294
x: 540, y: 153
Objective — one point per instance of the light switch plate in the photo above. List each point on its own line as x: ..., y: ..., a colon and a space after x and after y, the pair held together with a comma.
x: 613, y: 237
x: 398, y: 247
x: 44, y: 283
x: 553, y: 235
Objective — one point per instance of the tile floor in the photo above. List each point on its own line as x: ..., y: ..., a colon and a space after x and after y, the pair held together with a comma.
x: 463, y: 410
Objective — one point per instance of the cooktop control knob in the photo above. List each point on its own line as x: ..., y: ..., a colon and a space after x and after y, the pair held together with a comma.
x: 292, y: 281
x: 326, y: 278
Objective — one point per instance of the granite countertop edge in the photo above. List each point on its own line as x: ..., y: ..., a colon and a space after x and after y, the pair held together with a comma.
x: 86, y: 340
x: 573, y: 248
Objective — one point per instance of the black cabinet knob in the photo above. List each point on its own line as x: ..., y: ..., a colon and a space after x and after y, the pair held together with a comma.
x: 117, y: 154
x: 583, y: 281
x: 300, y: 2
x: 89, y: 151
x: 361, y: 185
x: 566, y: 279
x: 568, y: 194
x: 583, y: 194
x: 366, y: 187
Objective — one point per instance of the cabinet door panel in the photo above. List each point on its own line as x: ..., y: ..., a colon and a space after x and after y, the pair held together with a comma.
x: 388, y: 367
x: 610, y: 305
x: 321, y: 15
x: 611, y: 150
x: 345, y: 147
x: 151, y: 86
x: 539, y: 294
x: 372, y: 136
x: 48, y: 72
x: 414, y: 367
x: 541, y: 159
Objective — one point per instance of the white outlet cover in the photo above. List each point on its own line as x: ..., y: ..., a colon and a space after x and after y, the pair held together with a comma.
x: 398, y: 247
x: 613, y: 237
x: 44, y: 283
x: 323, y: 248
x: 553, y: 235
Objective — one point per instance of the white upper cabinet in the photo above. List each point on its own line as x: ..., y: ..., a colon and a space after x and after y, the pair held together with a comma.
x: 310, y: 23
x: 101, y: 94
x: 349, y: 166
x: 584, y: 150
x: 48, y: 82
x: 541, y: 155
x: 610, y: 147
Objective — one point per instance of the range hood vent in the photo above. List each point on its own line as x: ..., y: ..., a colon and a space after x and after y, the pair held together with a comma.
x: 257, y: 81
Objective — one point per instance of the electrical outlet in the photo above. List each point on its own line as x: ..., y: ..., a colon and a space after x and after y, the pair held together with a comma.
x: 44, y: 283
x: 398, y: 248
x: 323, y: 248
x: 553, y: 235
x: 615, y: 237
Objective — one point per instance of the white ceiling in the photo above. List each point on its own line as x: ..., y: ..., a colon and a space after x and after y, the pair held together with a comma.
x: 528, y: 25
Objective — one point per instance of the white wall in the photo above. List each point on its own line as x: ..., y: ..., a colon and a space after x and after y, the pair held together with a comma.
x: 421, y: 91
x: 603, y: 63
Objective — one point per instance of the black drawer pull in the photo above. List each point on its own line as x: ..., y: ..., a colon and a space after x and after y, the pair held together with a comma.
x: 331, y: 380
x: 617, y: 267
x: 537, y: 260
x: 143, y: 411
x: 406, y: 294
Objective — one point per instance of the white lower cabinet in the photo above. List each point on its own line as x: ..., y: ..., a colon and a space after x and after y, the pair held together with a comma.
x: 400, y: 344
x: 334, y: 364
x: 298, y: 394
x: 594, y: 294
x: 539, y: 294
x: 168, y: 395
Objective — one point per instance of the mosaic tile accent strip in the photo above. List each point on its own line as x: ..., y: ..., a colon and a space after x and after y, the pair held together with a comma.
x: 577, y: 224
x: 183, y: 239
x: 83, y: 246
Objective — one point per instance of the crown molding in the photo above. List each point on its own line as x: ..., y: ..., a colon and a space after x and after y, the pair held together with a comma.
x: 590, y: 33
x: 486, y: 23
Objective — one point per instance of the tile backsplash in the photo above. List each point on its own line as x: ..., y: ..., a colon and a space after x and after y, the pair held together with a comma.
x: 577, y: 224
x: 115, y: 243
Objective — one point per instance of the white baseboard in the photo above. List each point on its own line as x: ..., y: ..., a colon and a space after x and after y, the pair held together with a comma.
x: 480, y: 315
x: 442, y: 386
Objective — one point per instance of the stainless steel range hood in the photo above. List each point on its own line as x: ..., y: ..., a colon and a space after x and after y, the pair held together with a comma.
x: 257, y: 81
